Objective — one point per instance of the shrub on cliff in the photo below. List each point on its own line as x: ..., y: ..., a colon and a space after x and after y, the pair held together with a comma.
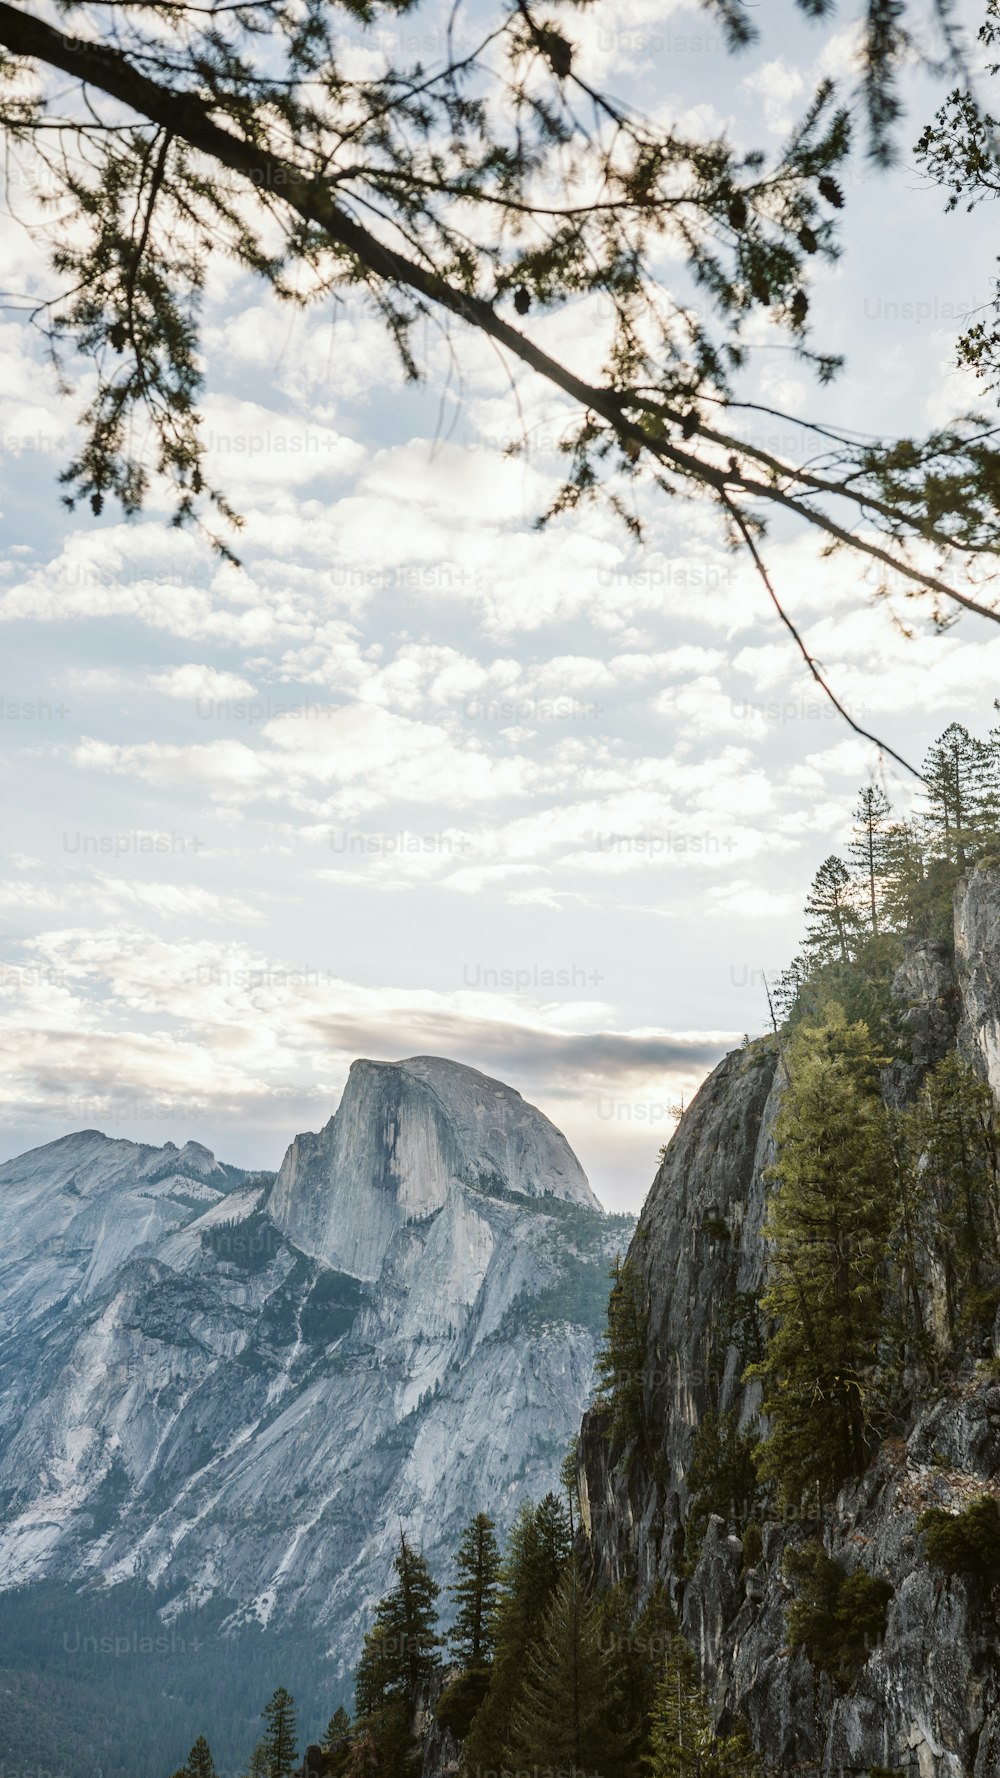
x: 838, y: 1618
x: 965, y: 1543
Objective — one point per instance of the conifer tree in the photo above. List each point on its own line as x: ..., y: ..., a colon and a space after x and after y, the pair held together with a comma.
x: 785, y: 991
x: 832, y: 925
x: 537, y: 1552
x: 638, y: 1645
x: 682, y: 1743
x: 905, y: 902
x: 400, y: 1653
x: 911, y: 1244
x: 721, y: 1477
x: 569, y: 1477
x: 621, y: 1360
x: 957, y: 772
x: 475, y: 1593
x: 680, y: 1732
x: 375, y: 1676
x: 409, y: 1612
x: 868, y: 848
x: 562, y: 1719
x: 337, y: 1743
x: 200, y: 1763
x: 280, y: 1733
x: 257, y: 1766
x: 552, y: 1545
x: 828, y: 1228
x: 385, y: 1743
x: 991, y: 787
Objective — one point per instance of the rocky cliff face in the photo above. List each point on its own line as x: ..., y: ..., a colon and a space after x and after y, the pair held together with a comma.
x: 927, y: 1701
x: 977, y: 953
x: 233, y: 1390
x: 404, y: 1137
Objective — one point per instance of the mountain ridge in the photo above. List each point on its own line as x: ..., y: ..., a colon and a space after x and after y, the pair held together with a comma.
x: 189, y: 1368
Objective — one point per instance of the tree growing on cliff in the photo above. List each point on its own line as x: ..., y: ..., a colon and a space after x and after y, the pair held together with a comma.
x: 621, y: 1361
x: 868, y: 848
x: 721, y: 1478
x: 827, y: 1229
x: 957, y: 785
x: 837, y: 1618
x: 832, y: 925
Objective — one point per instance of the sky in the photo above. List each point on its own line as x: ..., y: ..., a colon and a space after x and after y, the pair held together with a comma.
x: 418, y: 778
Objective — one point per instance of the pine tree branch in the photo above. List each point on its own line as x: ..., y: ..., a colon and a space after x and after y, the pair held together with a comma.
x: 190, y: 117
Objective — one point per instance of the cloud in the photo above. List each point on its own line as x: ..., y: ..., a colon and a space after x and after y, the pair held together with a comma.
x: 223, y: 1034
x: 781, y: 88
x: 193, y: 683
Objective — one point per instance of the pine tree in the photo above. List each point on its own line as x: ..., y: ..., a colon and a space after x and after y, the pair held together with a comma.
x: 475, y: 1593
x: 721, y: 1477
x: 908, y: 1337
x: 828, y: 1229
x: 957, y: 784
x: 400, y: 1654
x: 200, y: 1763
x: 569, y: 1476
x: 868, y: 848
x: 832, y: 925
x: 905, y: 901
x: 279, y: 1735
x: 621, y: 1360
x: 257, y: 1766
x: 562, y: 1720
x: 537, y: 1552
x: 552, y: 1545
x: 682, y: 1744
x: 337, y: 1743
x: 680, y: 1731
x: 786, y: 990
x: 375, y: 1676
x: 991, y: 785
x: 409, y: 1612
x: 638, y: 1645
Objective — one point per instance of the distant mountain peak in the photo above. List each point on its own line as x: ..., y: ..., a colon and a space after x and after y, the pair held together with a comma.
x: 404, y: 1136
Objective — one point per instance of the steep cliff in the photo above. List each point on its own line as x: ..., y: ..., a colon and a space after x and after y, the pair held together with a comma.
x: 927, y: 1698
x: 404, y: 1136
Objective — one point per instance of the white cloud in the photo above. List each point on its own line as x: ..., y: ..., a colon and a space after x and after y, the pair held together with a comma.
x: 194, y: 683
x: 781, y: 87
